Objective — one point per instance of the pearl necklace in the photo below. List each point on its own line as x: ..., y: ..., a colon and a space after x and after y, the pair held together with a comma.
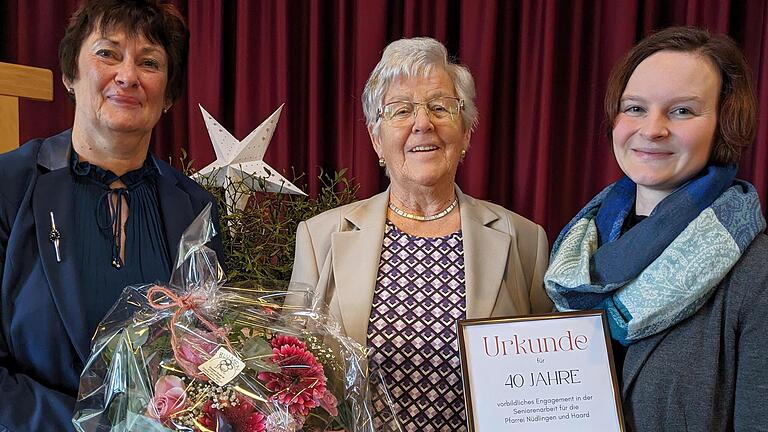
x: 426, y: 218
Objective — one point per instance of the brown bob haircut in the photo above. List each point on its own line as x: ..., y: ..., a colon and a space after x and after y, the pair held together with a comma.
x: 160, y: 23
x: 737, y: 106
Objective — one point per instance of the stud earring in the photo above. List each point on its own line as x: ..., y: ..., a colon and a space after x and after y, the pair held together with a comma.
x: 382, y: 162
x: 463, y: 155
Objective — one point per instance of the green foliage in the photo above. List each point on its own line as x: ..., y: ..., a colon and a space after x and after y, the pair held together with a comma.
x: 256, y: 353
x: 259, y: 240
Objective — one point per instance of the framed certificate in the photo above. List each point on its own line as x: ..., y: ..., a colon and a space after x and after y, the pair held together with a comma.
x: 540, y: 373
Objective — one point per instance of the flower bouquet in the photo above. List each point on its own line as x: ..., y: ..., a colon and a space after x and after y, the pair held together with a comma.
x: 198, y: 356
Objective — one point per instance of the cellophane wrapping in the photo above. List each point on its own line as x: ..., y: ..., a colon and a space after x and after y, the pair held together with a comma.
x: 196, y: 355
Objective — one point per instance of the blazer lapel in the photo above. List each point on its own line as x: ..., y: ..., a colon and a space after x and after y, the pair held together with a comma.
x: 485, y: 256
x: 49, y: 197
x: 636, y: 357
x: 176, y: 209
x: 356, y: 253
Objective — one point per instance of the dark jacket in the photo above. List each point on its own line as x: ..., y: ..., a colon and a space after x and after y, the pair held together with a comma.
x: 710, y: 371
x: 43, y: 339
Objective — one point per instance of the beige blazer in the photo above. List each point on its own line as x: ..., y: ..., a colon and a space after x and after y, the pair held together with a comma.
x: 505, y: 256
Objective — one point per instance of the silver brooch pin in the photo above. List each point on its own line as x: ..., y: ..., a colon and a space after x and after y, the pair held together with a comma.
x: 55, y: 238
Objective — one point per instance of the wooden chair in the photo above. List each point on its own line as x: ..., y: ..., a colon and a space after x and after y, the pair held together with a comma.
x: 17, y: 81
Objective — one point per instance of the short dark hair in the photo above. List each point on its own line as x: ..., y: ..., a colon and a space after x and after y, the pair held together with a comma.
x: 737, y: 105
x: 160, y: 23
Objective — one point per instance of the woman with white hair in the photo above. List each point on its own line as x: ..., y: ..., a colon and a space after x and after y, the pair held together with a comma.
x: 398, y: 269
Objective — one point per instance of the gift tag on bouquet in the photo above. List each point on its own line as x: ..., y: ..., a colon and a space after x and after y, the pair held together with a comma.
x: 223, y: 367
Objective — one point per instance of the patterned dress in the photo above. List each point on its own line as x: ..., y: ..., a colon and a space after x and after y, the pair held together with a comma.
x: 419, y: 295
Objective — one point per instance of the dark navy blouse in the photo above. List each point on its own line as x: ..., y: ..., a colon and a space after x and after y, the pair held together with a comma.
x: 97, y: 207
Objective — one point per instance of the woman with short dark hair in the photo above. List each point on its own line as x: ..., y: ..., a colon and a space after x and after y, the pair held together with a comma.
x: 675, y: 252
x: 90, y: 210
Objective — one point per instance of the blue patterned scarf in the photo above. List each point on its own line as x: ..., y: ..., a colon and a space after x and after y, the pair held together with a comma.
x: 663, y: 269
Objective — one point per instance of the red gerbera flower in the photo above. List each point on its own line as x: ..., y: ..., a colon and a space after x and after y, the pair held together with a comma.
x: 281, y: 340
x: 300, y: 384
x: 242, y: 416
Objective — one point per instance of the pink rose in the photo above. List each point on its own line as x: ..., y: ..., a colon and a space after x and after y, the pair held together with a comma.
x: 194, y: 349
x: 170, y: 398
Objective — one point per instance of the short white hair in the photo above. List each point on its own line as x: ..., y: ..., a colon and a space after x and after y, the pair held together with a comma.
x: 416, y: 57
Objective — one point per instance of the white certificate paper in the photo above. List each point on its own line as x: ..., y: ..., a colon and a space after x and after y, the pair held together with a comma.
x: 539, y: 373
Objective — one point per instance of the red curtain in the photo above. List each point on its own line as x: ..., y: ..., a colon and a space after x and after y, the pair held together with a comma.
x: 540, y: 65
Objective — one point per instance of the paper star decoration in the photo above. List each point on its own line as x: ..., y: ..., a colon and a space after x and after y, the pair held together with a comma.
x: 242, y: 161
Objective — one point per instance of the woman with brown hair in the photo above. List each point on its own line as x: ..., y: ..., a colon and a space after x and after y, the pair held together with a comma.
x: 675, y: 252
x: 89, y: 211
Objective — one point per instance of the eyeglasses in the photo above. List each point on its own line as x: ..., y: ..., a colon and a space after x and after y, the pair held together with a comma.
x: 441, y: 110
